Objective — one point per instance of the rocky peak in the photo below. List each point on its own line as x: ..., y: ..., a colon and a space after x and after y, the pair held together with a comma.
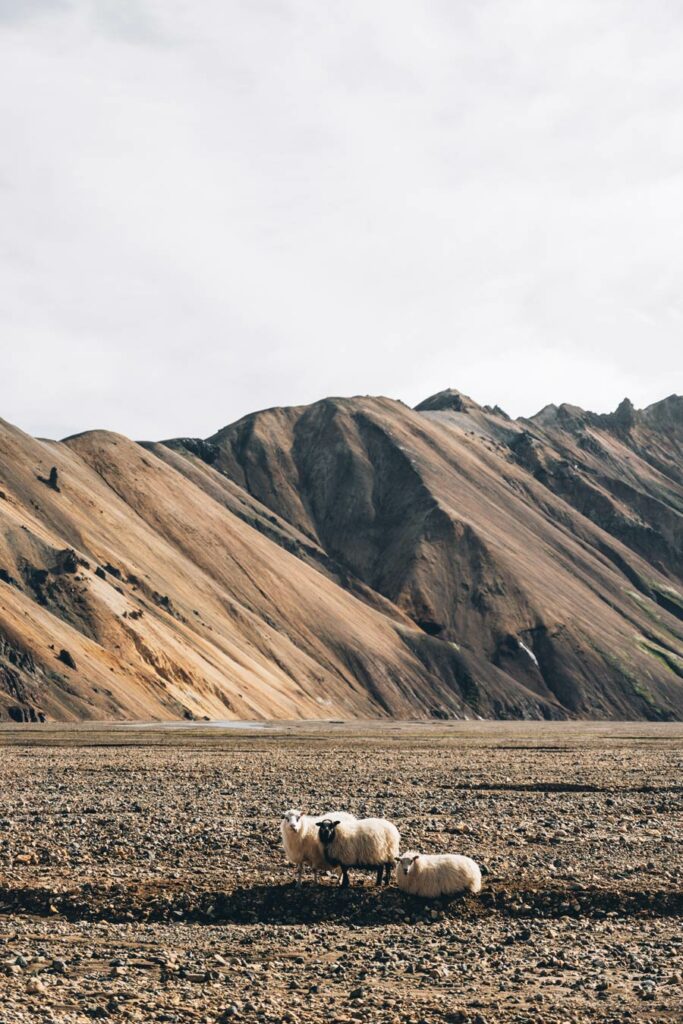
x: 448, y: 400
x: 625, y: 414
x: 666, y: 415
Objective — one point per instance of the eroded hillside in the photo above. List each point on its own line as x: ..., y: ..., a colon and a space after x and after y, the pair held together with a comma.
x: 353, y: 558
x: 549, y: 548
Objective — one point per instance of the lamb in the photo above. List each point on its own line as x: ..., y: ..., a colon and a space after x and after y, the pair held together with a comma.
x: 363, y: 843
x: 301, y: 842
x: 433, y: 875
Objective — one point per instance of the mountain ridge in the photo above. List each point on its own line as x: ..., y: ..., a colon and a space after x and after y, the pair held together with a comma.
x: 353, y: 558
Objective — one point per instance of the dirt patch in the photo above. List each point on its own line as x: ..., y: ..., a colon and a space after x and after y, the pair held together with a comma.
x: 147, y: 882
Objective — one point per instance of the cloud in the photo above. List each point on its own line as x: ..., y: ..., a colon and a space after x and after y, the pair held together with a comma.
x: 213, y: 208
x: 13, y: 12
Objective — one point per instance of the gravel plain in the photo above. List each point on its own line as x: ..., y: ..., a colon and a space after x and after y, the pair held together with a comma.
x: 142, y: 876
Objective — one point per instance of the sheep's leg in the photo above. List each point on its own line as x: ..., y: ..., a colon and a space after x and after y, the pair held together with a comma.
x: 315, y: 876
x: 387, y: 872
x: 380, y: 871
x: 299, y: 873
x: 345, y: 878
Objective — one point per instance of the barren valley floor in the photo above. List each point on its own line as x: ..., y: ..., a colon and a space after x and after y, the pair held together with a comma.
x: 142, y: 876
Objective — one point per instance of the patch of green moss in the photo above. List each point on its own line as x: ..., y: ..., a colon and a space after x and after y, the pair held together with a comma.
x: 645, y: 605
x: 645, y: 693
x: 670, y: 592
x: 614, y: 661
x: 634, y: 681
x: 668, y: 658
x: 624, y: 665
x: 668, y: 597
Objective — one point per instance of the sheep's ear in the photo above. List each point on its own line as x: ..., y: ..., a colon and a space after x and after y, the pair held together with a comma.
x: 397, y: 859
x: 416, y: 857
x: 319, y: 824
x: 335, y: 823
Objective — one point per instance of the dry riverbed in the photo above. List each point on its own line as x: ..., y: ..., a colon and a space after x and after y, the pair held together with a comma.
x: 142, y: 878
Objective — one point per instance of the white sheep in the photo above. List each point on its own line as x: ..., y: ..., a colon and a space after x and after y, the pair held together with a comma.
x: 433, y: 875
x: 302, y: 844
x: 363, y: 843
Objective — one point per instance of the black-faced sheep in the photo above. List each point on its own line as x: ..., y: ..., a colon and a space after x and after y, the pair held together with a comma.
x: 302, y: 843
x: 433, y: 875
x: 363, y: 843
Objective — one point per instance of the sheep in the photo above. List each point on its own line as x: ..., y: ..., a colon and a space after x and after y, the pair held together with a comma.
x: 433, y: 875
x: 363, y: 843
x: 301, y: 842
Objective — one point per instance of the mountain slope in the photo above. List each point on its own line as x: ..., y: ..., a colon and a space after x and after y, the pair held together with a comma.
x: 518, y: 541
x: 169, y: 605
x: 350, y: 558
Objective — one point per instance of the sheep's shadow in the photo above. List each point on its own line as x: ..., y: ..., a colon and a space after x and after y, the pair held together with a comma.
x: 374, y: 905
x: 359, y: 905
x: 311, y: 903
x: 280, y: 903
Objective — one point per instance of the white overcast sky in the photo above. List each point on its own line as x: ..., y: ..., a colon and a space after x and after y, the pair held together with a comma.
x: 212, y: 206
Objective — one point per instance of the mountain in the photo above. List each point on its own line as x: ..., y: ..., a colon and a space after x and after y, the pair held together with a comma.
x: 352, y: 558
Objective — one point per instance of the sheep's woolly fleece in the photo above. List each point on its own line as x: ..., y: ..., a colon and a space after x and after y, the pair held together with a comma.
x: 432, y: 875
x: 367, y: 842
x: 301, y: 840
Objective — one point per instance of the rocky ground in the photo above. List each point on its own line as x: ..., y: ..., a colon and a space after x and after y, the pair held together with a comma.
x: 141, y: 875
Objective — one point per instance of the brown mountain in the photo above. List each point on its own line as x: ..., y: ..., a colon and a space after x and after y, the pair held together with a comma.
x: 350, y: 558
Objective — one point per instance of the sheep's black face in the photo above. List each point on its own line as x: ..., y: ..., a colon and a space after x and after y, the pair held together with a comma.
x: 326, y: 830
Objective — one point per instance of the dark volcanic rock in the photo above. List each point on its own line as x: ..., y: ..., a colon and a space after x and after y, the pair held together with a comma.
x: 52, y: 480
x: 66, y: 658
